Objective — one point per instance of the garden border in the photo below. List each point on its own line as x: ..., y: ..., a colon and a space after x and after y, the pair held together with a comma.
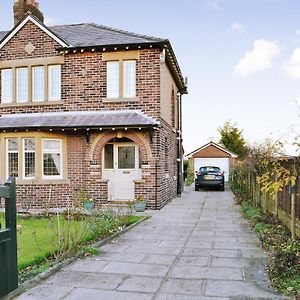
x: 33, y: 282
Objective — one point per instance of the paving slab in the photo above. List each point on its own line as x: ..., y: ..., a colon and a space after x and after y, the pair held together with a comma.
x: 198, y: 247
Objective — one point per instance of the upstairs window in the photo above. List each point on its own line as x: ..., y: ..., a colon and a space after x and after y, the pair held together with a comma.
x: 54, y: 83
x: 22, y: 85
x: 31, y: 84
x: 38, y: 84
x: 129, y: 79
x: 121, y: 79
x: 6, y: 86
x: 113, y: 79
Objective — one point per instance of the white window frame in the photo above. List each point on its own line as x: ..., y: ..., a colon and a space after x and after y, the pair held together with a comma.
x: 23, y: 154
x: 7, y: 155
x: 55, y: 152
x: 50, y: 97
x: 3, y: 99
x: 125, y: 94
x: 115, y: 62
x: 33, y: 84
x: 17, y: 85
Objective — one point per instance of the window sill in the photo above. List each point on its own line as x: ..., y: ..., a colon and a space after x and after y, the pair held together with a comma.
x: 115, y: 100
x: 42, y: 182
x: 15, y: 104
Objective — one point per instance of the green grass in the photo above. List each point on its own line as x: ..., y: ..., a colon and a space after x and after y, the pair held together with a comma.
x: 250, y: 211
x: 284, y: 253
x: 38, y: 238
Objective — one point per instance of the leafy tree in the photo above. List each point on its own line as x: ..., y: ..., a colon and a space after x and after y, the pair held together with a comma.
x: 232, y: 139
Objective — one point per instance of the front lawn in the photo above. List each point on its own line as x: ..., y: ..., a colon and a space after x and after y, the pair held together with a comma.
x: 48, y: 238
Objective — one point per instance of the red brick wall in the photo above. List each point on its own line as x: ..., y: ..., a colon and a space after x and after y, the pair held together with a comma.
x: 211, y: 151
x: 83, y: 88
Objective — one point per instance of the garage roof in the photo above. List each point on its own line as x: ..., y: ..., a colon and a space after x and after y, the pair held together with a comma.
x: 233, y: 155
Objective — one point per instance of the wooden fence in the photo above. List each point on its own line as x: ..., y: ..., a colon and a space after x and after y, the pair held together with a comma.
x: 283, y: 205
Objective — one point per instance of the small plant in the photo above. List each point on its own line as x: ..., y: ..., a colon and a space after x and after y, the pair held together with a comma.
x: 90, y: 250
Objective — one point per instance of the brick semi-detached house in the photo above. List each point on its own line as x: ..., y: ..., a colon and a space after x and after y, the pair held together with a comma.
x: 85, y: 105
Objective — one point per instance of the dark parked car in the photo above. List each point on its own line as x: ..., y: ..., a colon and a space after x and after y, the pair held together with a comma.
x: 209, y: 176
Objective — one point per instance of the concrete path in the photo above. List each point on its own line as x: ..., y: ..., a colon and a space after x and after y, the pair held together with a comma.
x: 197, y: 247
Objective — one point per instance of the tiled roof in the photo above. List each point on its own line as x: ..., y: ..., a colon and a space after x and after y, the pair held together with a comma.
x: 88, y: 34
x: 76, y: 119
x: 2, y: 34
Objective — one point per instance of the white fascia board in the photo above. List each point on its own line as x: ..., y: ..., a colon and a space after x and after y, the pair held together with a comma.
x: 43, y: 28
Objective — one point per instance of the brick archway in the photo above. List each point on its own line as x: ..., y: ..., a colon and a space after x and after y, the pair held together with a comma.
x: 137, y: 138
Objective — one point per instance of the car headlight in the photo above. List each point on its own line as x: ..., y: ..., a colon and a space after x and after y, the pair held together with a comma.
x: 219, y: 177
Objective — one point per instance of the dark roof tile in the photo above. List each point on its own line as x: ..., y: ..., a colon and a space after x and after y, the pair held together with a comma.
x: 75, y: 119
x: 88, y: 34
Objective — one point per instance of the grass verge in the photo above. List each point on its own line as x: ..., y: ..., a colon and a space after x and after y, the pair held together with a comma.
x: 284, y: 259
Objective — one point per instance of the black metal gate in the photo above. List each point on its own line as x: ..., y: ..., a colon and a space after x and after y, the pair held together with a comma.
x: 8, y: 240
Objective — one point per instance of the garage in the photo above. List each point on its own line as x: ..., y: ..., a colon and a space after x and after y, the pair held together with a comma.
x: 213, y: 154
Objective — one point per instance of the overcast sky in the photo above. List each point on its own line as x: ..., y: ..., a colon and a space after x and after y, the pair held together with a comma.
x: 242, y: 57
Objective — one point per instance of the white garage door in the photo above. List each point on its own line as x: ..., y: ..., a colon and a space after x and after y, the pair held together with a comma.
x: 222, y: 163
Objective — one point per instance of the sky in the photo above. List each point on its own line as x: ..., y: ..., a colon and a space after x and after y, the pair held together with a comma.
x: 241, y: 57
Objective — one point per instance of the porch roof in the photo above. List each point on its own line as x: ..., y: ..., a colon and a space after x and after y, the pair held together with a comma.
x: 76, y: 119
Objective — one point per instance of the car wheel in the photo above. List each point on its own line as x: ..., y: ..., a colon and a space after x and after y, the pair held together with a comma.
x: 196, y: 188
x: 222, y: 188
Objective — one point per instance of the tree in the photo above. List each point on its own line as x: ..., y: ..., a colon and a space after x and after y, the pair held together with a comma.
x: 232, y: 139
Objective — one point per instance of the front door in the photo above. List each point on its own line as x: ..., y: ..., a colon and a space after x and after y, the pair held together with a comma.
x: 121, y: 168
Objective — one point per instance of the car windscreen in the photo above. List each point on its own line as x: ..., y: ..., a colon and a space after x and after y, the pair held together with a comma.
x: 209, y: 169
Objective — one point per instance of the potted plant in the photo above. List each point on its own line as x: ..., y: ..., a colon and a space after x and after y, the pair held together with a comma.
x: 83, y: 200
x: 88, y: 204
x: 139, y: 204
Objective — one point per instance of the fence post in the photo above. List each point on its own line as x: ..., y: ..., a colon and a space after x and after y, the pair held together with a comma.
x: 276, y: 200
x: 292, y: 191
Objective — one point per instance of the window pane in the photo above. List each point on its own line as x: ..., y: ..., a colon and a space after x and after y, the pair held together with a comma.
x: 38, y: 84
x: 13, y: 144
x: 54, y: 83
x: 51, y: 164
x: 29, y: 157
x: 52, y: 157
x: 29, y: 144
x: 113, y: 77
x: 22, y: 84
x: 129, y: 79
x: 29, y: 164
x: 12, y: 157
x: 126, y: 157
x: 13, y: 165
x: 109, y: 156
x: 6, y: 86
x: 51, y: 145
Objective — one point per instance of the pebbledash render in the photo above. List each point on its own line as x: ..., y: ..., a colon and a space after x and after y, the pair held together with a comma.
x: 88, y: 106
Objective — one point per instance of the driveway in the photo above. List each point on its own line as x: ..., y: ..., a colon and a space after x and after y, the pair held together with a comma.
x: 197, y: 247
